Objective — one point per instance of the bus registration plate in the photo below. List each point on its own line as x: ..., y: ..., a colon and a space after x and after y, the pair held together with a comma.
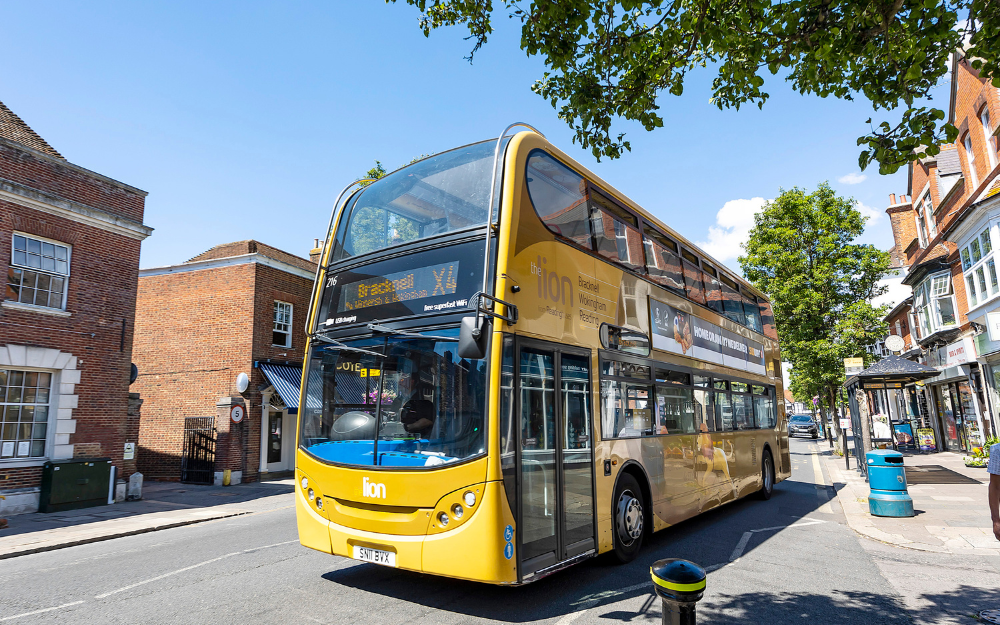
x: 375, y: 556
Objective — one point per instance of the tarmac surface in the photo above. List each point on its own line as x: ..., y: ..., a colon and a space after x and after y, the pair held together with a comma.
x: 791, y: 559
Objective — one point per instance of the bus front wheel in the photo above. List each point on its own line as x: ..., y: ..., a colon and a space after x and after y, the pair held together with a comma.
x: 767, y: 476
x: 629, y: 515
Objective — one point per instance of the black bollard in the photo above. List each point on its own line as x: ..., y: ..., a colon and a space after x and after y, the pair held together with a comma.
x: 680, y: 584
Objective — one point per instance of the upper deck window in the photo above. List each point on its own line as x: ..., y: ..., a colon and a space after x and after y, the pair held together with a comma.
x: 732, y: 301
x: 615, y: 233
x: 440, y: 194
x: 693, y: 279
x: 662, y: 262
x: 559, y: 196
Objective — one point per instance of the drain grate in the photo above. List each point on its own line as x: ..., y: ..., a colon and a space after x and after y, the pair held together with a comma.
x: 990, y: 616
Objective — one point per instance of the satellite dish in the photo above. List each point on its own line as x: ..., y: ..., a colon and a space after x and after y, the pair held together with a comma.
x: 242, y: 382
x: 133, y: 374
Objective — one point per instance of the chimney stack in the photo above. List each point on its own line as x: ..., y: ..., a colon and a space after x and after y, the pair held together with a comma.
x: 892, y: 199
x: 317, y: 251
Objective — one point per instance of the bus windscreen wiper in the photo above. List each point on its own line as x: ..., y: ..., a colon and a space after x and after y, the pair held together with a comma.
x: 377, y: 327
x: 321, y: 336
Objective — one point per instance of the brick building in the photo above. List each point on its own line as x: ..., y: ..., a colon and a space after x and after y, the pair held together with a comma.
x: 945, y: 230
x: 239, y: 308
x: 69, y: 248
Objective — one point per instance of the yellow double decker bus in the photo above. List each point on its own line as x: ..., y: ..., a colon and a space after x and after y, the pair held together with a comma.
x: 513, y: 367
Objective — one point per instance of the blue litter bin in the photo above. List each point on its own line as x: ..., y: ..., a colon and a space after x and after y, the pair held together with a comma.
x: 887, y: 480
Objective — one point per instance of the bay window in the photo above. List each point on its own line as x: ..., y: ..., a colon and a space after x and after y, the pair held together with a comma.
x: 979, y: 269
x: 934, y: 304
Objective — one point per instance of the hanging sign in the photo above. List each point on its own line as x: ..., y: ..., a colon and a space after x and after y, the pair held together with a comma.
x: 960, y: 352
x: 853, y: 366
x: 236, y: 413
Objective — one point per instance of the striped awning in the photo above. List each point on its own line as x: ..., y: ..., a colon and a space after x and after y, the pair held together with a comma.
x: 285, y: 379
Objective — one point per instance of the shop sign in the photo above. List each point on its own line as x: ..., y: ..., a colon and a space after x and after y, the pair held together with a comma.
x: 925, y: 439
x: 959, y: 353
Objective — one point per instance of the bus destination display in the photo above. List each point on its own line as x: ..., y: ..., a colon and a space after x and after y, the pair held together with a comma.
x: 402, y: 286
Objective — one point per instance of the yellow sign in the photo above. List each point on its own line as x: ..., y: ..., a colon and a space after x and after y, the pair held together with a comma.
x: 850, y: 363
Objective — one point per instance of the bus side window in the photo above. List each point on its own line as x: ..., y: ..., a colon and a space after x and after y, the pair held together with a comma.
x: 752, y: 312
x: 767, y: 319
x: 615, y: 233
x: 662, y: 261
x: 713, y: 290
x: 693, y: 278
x: 732, y: 301
x: 559, y: 196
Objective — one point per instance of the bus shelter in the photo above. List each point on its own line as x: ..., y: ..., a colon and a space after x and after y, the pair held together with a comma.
x: 875, y: 399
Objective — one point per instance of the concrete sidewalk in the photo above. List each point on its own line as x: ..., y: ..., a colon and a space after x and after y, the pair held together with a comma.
x: 950, y: 517
x: 164, y: 505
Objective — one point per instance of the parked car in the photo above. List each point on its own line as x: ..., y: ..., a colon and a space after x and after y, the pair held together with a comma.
x: 803, y: 424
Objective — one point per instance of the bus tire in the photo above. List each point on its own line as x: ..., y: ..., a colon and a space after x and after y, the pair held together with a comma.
x: 767, y: 475
x: 628, y: 513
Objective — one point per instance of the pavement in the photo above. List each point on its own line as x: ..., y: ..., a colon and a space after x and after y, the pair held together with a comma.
x: 164, y: 505
x: 951, y: 517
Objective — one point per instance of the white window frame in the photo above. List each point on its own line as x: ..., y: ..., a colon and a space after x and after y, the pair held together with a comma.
x: 974, y: 293
x: 970, y: 157
x: 51, y: 406
x: 277, y: 325
x: 63, y: 276
x: 984, y: 117
x: 926, y: 303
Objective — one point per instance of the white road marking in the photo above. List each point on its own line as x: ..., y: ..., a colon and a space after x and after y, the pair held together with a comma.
x: 740, y: 546
x: 58, y: 607
x: 188, y: 568
x: 593, y: 600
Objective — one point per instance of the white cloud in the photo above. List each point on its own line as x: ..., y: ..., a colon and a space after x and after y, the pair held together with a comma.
x: 869, y: 212
x: 852, y: 178
x: 732, y: 228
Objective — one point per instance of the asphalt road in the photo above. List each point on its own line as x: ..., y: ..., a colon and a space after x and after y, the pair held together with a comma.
x: 790, y: 559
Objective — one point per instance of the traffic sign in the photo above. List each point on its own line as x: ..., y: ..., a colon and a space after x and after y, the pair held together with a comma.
x: 236, y: 413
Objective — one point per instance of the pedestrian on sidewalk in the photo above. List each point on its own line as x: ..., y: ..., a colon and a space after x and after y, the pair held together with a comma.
x: 993, y: 468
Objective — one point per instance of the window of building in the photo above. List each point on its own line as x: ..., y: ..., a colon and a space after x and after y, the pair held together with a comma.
x: 971, y: 157
x: 934, y: 304
x: 991, y: 146
x: 926, y: 228
x: 663, y: 262
x: 24, y: 413
x: 979, y: 269
x: 616, y: 233
x: 282, y: 335
x: 39, y: 272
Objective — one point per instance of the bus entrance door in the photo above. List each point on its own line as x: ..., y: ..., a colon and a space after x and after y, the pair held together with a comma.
x: 556, y: 456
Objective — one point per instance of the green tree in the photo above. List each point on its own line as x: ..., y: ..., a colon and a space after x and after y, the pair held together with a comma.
x: 607, y: 60
x: 801, y: 253
x: 372, y: 174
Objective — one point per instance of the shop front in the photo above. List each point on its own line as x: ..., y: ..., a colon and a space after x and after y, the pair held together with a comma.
x: 958, y: 398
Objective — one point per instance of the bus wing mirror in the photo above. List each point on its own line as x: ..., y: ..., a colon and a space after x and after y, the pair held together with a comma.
x: 473, y: 337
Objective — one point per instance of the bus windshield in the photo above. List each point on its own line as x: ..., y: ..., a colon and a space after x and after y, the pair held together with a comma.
x: 444, y: 193
x: 403, y: 402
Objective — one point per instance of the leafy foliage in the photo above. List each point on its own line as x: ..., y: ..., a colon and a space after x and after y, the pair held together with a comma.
x: 801, y: 253
x: 608, y: 60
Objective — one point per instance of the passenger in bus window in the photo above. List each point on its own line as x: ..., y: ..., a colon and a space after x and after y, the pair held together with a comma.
x: 417, y: 412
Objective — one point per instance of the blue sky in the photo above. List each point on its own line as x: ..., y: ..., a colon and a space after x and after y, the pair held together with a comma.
x: 244, y: 120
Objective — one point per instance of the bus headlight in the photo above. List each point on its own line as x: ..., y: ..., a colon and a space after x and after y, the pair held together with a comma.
x: 470, y: 498
x: 457, y: 511
x: 305, y: 483
x: 443, y: 519
x: 310, y: 494
x: 319, y: 503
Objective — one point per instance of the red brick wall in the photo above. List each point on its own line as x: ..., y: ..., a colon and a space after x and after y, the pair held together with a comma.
x: 101, y: 299
x: 195, y: 332
x: 67, y: 181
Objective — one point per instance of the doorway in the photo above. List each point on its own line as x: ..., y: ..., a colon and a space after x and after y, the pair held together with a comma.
x: 555, y: 454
